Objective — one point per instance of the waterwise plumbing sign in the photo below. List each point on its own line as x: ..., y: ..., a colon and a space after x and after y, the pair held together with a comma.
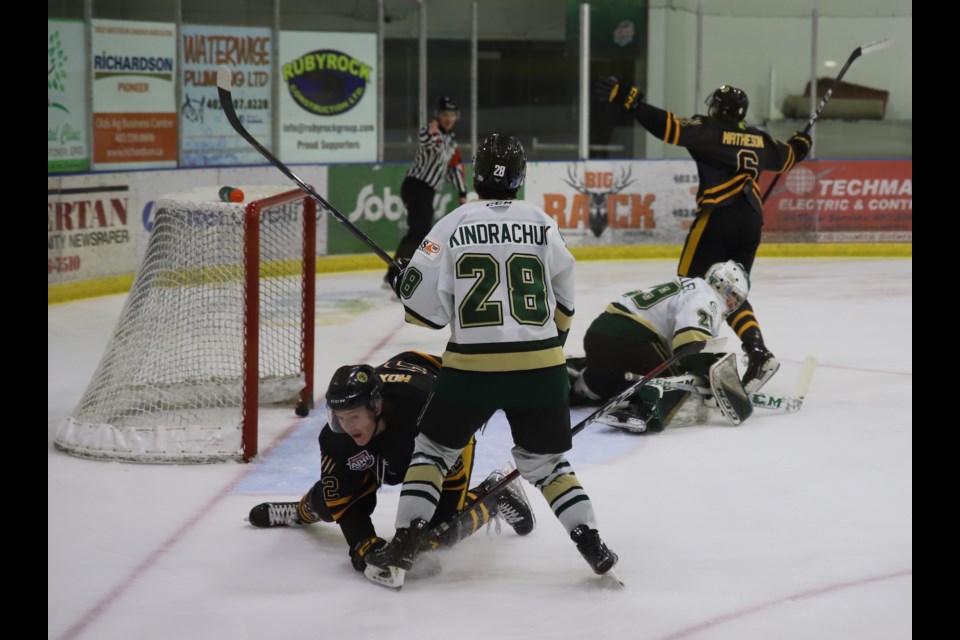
x: 328, y: 97
x: 207, y: 137
x: 134, y: 108
x: 67, y: 145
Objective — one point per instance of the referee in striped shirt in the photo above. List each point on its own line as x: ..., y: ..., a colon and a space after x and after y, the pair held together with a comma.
x: 438, y: 157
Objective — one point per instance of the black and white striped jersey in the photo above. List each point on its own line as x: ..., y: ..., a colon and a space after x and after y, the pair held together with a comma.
x: 438, y: 158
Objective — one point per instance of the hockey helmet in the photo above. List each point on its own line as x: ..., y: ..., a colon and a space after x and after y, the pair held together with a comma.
x: 728, y: 103
x: 731, y: 281
x: 352, y: 386
x: 499, y: 163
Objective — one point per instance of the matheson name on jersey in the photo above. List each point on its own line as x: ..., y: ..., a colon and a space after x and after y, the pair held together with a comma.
x: 737, y: 139
x: 499, y: 233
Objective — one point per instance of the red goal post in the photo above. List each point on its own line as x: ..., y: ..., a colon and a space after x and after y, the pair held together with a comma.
x: 216, y: 334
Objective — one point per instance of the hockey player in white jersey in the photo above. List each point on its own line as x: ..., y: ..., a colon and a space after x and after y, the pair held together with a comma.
x: 497, y: 271
x: 641, y: 329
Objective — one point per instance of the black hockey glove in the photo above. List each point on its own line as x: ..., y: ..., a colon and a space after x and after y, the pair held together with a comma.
x: 609, y: 89
x: 801, y: 144
x: 362, y: 548
x: 398, y: 279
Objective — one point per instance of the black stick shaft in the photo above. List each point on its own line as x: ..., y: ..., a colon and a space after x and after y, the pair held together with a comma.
x: 224, y: 88
x: 826, y: 97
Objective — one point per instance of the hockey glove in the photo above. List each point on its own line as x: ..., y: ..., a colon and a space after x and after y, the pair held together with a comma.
x: 609, y: 89
x: 362, y: 548
x: 801, y: 144
x: 398, y: 278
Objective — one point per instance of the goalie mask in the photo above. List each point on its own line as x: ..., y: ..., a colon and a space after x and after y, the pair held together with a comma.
x: 730, y: 280
x: 352, y: 386
x: 728, y: 103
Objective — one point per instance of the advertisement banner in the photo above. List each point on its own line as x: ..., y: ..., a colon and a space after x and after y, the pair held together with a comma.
x: 616, y: 202
x: 67, y: 145
x: 206, y: 136
x: 134, y: 110
x: 89, y: 229
x: 328, y: 97
x: 369, y: 197
x: 841, y: 201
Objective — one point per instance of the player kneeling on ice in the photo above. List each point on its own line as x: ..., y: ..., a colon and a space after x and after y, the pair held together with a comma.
x: 497, y: 271
x: 367, y: 442
x: 641, y: 329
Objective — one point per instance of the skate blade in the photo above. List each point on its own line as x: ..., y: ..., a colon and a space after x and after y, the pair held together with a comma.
x: 612, y: 580
x: 390, y: 577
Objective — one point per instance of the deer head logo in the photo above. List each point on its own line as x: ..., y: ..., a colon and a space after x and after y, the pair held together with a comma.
x: 597, y: 198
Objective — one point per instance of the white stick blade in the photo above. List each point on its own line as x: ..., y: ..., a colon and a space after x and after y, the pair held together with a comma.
x: 876, y: 46
x: 224, y: 78
x: 806, y: 375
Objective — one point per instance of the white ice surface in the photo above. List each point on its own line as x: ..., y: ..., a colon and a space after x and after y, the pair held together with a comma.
x: 789, y: 527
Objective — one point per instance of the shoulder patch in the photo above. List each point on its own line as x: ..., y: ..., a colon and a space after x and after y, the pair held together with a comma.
x: 430, y: 248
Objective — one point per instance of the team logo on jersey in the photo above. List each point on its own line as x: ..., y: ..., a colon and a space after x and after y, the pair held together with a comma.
x: 429, y: 248
x: 361, y: 461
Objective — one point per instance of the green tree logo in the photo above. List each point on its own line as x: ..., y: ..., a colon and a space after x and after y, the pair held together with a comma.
x: 56, y: 69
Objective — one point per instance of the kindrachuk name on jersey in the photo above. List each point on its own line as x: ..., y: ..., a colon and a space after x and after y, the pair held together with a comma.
x: 499, y: 233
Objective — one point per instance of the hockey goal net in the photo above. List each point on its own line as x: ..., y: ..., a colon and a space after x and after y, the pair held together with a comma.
x: 218, y: 326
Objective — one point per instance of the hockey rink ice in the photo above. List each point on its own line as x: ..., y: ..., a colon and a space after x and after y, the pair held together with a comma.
x: 788, y: 527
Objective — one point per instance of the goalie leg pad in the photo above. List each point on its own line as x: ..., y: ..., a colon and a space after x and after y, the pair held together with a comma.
x: 732, y: 399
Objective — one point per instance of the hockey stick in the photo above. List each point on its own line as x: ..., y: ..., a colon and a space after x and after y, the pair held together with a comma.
x: 689, y: 349
x: 224, y: 86
x: 784, y: 404
x: 859, y: 51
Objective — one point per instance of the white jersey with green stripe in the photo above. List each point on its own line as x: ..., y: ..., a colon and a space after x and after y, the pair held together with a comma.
x: 500, y: 274
x: 680, y: 311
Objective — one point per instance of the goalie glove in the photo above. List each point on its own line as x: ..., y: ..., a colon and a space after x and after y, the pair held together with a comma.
x: 362, y: 548
x: 609, y: 89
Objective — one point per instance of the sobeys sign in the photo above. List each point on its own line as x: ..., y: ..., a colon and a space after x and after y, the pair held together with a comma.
x: 369, y: 196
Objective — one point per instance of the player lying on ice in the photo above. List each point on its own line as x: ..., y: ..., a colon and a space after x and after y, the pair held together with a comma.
x: 367, y: 442
x: 640, y: 330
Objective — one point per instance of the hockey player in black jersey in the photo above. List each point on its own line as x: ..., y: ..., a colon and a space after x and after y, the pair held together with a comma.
x: 730, y: 157
x: 368, y: 441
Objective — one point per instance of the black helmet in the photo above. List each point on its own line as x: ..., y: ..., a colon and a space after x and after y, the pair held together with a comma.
x: 499, y: 163
x: 446, y: 103
x: 728, y: 103
x: 352, y: 386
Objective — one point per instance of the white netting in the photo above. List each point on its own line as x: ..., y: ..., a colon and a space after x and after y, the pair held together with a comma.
x: 169, y: 387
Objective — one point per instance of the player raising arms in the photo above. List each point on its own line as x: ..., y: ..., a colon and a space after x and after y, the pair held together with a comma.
x: 730, y: 157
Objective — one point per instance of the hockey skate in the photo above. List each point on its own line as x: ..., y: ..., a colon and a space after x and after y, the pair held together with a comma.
x: 512, y: 503
x: 760, y: 365
x: 389, y: 565
x: 275, y: 514
x: 600, y: 558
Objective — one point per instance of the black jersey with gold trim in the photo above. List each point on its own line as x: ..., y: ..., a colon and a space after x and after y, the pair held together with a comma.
x: 351, y: 474
x: 730, y: 156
